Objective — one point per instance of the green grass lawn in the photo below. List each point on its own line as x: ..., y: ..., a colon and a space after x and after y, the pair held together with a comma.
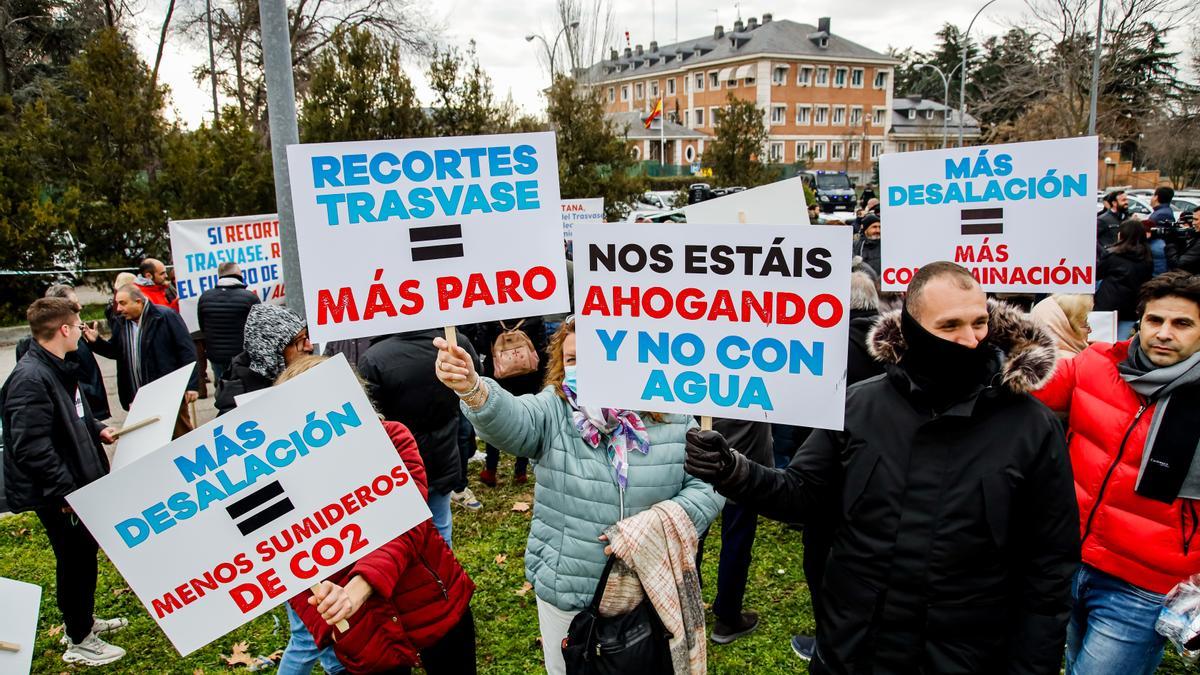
x: 490, y: 543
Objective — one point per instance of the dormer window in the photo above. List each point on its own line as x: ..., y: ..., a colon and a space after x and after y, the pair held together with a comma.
x: 929, y: 114
x: 912, y: 114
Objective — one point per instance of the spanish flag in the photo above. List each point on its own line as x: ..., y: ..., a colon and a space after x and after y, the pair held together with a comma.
x: 655, y: 114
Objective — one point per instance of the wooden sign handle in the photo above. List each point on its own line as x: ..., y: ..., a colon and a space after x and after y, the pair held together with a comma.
x: 451, y: 335
x: 342, y: 625
x: 705, y: 423
x: 135, y: 426
x: 9, y: 647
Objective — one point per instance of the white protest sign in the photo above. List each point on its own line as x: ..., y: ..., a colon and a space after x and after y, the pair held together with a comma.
x: 18, y: 625
x: 160, y: 398
x: 198, y: 247
x: 1104, y: 327
x: 1021, y: 216
x: 778, y: 203
x: 411, y: 234
x: 254, y: 507
x: 578, y: 211
x: 740, y: 321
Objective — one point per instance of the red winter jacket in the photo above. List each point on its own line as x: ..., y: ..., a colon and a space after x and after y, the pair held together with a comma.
x: 1142, y: 541
x: 158, y: 295
x: 420, y: 590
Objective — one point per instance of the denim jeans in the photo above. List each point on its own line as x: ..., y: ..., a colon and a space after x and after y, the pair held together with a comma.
x: 439, y: 505
x: 1112, y: 626
x: 302, y: 653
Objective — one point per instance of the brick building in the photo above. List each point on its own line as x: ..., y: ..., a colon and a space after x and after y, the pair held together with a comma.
x: 824, y: 98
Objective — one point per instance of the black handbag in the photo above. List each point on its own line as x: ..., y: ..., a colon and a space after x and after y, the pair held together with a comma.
x: 634, y: 642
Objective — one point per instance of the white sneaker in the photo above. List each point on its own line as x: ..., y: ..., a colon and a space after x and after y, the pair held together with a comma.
x: 92, y: 652
x: 102, y: 626
x: 467, y: 499
x: 477, y: 457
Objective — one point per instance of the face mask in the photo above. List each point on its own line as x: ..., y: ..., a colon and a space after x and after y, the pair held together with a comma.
x: 945, y: 369
x: 569, y: 377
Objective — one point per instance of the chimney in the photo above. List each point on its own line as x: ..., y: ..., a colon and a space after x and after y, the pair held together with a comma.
x: 751, y: 23
x: 628, y: 52
x: 718, y: 32
x: 738, y: 26
x: 637, y: 50
x: 767, y: 18
x: 823, y: 24
x: 613, y: 54
x: 914, y: 97
x: 653, y: 46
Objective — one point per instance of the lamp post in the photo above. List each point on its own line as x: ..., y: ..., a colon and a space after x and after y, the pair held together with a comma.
x: 945, y: 95
x: 550, y: 51
x: 962, y: 87
x: 1096, y: 70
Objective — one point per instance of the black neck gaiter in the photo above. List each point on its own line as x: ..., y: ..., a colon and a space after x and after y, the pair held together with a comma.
x: 945, y: 371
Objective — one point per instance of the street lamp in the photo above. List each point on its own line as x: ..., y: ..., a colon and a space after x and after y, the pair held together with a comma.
x: 550, y: 51
x: 962, y: 87
x: 945, y: 95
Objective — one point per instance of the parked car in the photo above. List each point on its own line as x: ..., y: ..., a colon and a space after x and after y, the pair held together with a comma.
x: 833, y: 190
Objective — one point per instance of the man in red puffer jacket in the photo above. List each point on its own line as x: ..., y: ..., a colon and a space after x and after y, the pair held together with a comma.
x: 1133, y: 438
x: 407, y: 602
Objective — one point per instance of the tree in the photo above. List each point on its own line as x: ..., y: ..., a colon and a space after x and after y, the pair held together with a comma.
x: 214, y: 171
x: 359, y: 92
x: 38, y: 38
x: 734, y: 156
x: 593, y: 159
x: 463, y: 103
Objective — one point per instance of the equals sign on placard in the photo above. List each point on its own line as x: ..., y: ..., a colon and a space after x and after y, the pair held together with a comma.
x: 437, y: 242
x: 252, y: 502
x: 982, y: 221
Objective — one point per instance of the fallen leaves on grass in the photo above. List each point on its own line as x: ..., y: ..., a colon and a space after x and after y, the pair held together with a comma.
x: 525, y: 588
x: 55, y: 631
x: 240, y: 656
x: 520, y: 507
x: 500, y: 558
x: 118, y: 592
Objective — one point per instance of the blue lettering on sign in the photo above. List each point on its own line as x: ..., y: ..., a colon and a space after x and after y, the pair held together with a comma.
x: 962, y: 186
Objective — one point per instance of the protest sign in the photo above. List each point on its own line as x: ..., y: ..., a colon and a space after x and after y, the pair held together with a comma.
x: 1104, y: 327
x: 1021, y: 217
x: 160, y: 398
x: 739, y: 321
x: 410, y: 234
x: 198, y: 247
x: 254, y: 507
x: 778, y: 203
x: 18, y: 624
x: 578, y: 211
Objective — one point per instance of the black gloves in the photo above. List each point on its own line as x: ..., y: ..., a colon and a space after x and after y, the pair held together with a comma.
x: 710, y: 459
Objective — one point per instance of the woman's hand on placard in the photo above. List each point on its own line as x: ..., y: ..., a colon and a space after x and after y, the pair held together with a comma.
x: 454, y: 367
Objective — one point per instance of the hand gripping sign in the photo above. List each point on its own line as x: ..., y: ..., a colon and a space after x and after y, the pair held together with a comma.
x: 254, y: 507
x: 737, y: 321
x: 1021, y: 217
x: 410, y: 234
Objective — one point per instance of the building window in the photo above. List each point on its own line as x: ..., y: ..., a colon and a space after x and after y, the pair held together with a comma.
x: 612, y: 94
x: 876, y: 150
x: 912, y: 114
x: 818, y: 151
x: 835, y: 150
x: 778, y: 75
x: 801, y: 150
x: 732, y: 82
x: 804, y: 76
x: 671, y: 87
x: 902, y: 146
x: 698, y: 78
x: 855, y: 149
x: 929, y: 114
x: 689, y: 153
x: 637, y: 152
x: 823, y: 76
x: 918, y: 146
x: 714, y: 80
x: 699, y: 117
x: 881, y: 78
x: 839, y: 77
x: 714, y: 114
x: 776, y: 152
x: 822, y: 115
x: 778, y: 114
x: 856, y: 115
x: 839, y: 115
x: 804, y: 114
x: 877, y: 116
x: 654, y: 88
x: 638, y: 90
x: 625, y: 92
x: 856, y: 78
x: 748, y: 82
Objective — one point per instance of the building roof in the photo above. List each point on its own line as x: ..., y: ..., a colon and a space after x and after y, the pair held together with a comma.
x: 632, y: 124
x: 922, y: 126
x: 778, y: 38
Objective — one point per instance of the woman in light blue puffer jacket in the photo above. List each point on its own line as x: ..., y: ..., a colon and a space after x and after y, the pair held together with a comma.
x: 593, y: 468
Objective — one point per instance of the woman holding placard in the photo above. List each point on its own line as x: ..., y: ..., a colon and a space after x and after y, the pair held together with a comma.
x: 594, y: 467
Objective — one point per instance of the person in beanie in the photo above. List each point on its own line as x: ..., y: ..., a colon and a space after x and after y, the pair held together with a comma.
x: 221, y: 313
x: 274, y: 338
x: 52, y: 448
x: 949, y: 491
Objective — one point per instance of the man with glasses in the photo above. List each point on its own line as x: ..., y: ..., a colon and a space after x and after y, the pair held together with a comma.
x: 53, y: 448
x: 274, y: 338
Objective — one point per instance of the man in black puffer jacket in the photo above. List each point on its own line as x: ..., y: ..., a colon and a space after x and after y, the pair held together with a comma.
x: 400, y: 370
x: 222, y: 313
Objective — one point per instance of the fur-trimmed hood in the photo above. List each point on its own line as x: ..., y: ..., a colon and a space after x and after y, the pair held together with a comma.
x: 1029, y: 351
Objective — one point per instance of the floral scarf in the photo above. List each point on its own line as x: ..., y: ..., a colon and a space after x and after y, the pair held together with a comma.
x: 622, y: 428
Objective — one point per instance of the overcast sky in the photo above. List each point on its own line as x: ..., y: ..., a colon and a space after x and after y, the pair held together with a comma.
x: 498, y: 29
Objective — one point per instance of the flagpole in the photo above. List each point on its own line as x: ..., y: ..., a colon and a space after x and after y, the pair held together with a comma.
x: 662, y: 138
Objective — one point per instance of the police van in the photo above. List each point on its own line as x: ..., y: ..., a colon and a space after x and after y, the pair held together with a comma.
x: 832, y: 189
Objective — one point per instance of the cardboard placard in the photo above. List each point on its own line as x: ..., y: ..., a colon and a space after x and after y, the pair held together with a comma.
x: 411, y: 234
x: 778, y: 203
x: 256, y: 506
x: 160, y: 398
x: 578, y: 211
x: 18, y: 624
x: 738, y: 321
x: 1104, y: 327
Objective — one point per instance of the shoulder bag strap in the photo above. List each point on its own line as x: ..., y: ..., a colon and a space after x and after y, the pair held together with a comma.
x: 599, y: 594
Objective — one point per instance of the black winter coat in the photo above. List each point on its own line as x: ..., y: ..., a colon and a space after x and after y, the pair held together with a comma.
x: 870, y: 252
x: 860, y: 364
x: 956, y: 534
x: 1107, y: 225
x: 165, y: 346
x: 402, y: 379
x: 1121, y: 276
x: 91, y: 380
x: 1189, y: 258
x: 237, y: 380
x: 49, y: 449
x: 222, y: 313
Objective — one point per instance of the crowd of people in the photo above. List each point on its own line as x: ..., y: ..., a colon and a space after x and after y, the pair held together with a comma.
x: 1005, y: 496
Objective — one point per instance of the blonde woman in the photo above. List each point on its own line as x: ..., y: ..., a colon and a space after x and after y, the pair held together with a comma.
x: 1065, y: 317
x: 593, y: 467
